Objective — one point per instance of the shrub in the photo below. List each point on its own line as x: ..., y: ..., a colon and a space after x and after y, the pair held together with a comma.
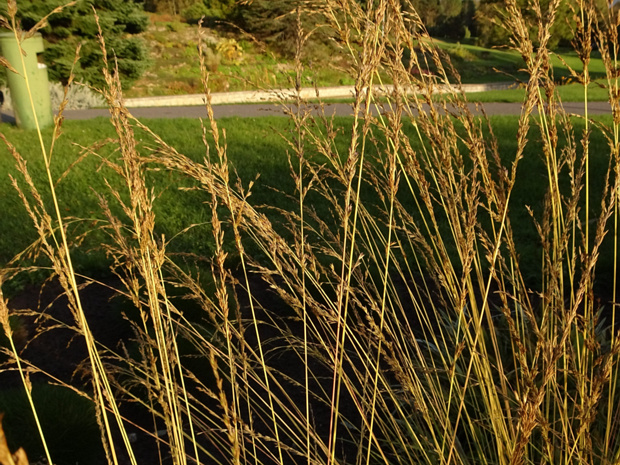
x: 275, y: 22
x: 212, y: 59
x: 493, y: 15
x: 210, y: 10
x: 119, y: 20
x: 174, y: 26
x: 230, y: 50
x: 194, y: 13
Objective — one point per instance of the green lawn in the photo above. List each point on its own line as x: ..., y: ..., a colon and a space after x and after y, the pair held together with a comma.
x: 254, y: 148
x: 478, y: 64
x: 573, y: 92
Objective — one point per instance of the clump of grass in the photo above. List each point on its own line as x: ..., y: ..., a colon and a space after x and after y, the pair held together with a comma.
x: 401, y: 325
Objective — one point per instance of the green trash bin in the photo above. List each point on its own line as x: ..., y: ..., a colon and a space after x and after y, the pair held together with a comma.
x: 37, y: 78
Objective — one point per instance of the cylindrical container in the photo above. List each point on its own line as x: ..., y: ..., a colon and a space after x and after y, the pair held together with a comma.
x: 37, y: 79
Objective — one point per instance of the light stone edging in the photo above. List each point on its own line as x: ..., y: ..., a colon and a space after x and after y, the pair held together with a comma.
x: 221, y: 98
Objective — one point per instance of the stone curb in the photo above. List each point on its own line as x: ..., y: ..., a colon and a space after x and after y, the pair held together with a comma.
x: 222, y: 98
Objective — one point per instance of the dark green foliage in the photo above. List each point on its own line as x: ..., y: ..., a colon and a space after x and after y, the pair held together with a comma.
x: 453, y: 23
x: 210, y: 10
x: 194, y: 13
x: 226, y: 6
x: 434, y: 12
x: 132, y: 65
x: 489, y: 33
x: 467, y: 20
x: 119, y: 20
x: 173, y: 7
x: 275, y: 22
x: 270, y: 20
x: 491, y: 21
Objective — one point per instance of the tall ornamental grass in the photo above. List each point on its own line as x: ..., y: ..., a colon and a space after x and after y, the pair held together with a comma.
x: 398, y: 325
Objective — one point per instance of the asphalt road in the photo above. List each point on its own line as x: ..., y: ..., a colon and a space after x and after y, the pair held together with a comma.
x: 339, y: 109
x: 268, y: 109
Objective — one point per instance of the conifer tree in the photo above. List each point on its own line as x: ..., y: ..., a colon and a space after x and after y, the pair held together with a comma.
x: 491, y: 14
x: 120, y: 20
x: 211, y: 10
x: 275, y: 22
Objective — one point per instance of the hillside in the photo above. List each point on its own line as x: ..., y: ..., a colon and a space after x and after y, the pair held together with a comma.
x: 236, y: 62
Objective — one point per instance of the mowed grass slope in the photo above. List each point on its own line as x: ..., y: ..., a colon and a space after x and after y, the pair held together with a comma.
x: 480, y: 64
x: 258, y: 154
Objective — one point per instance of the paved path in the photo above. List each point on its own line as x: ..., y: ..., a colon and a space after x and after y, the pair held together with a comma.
x: 339, y: 109
x: 227, y: 104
